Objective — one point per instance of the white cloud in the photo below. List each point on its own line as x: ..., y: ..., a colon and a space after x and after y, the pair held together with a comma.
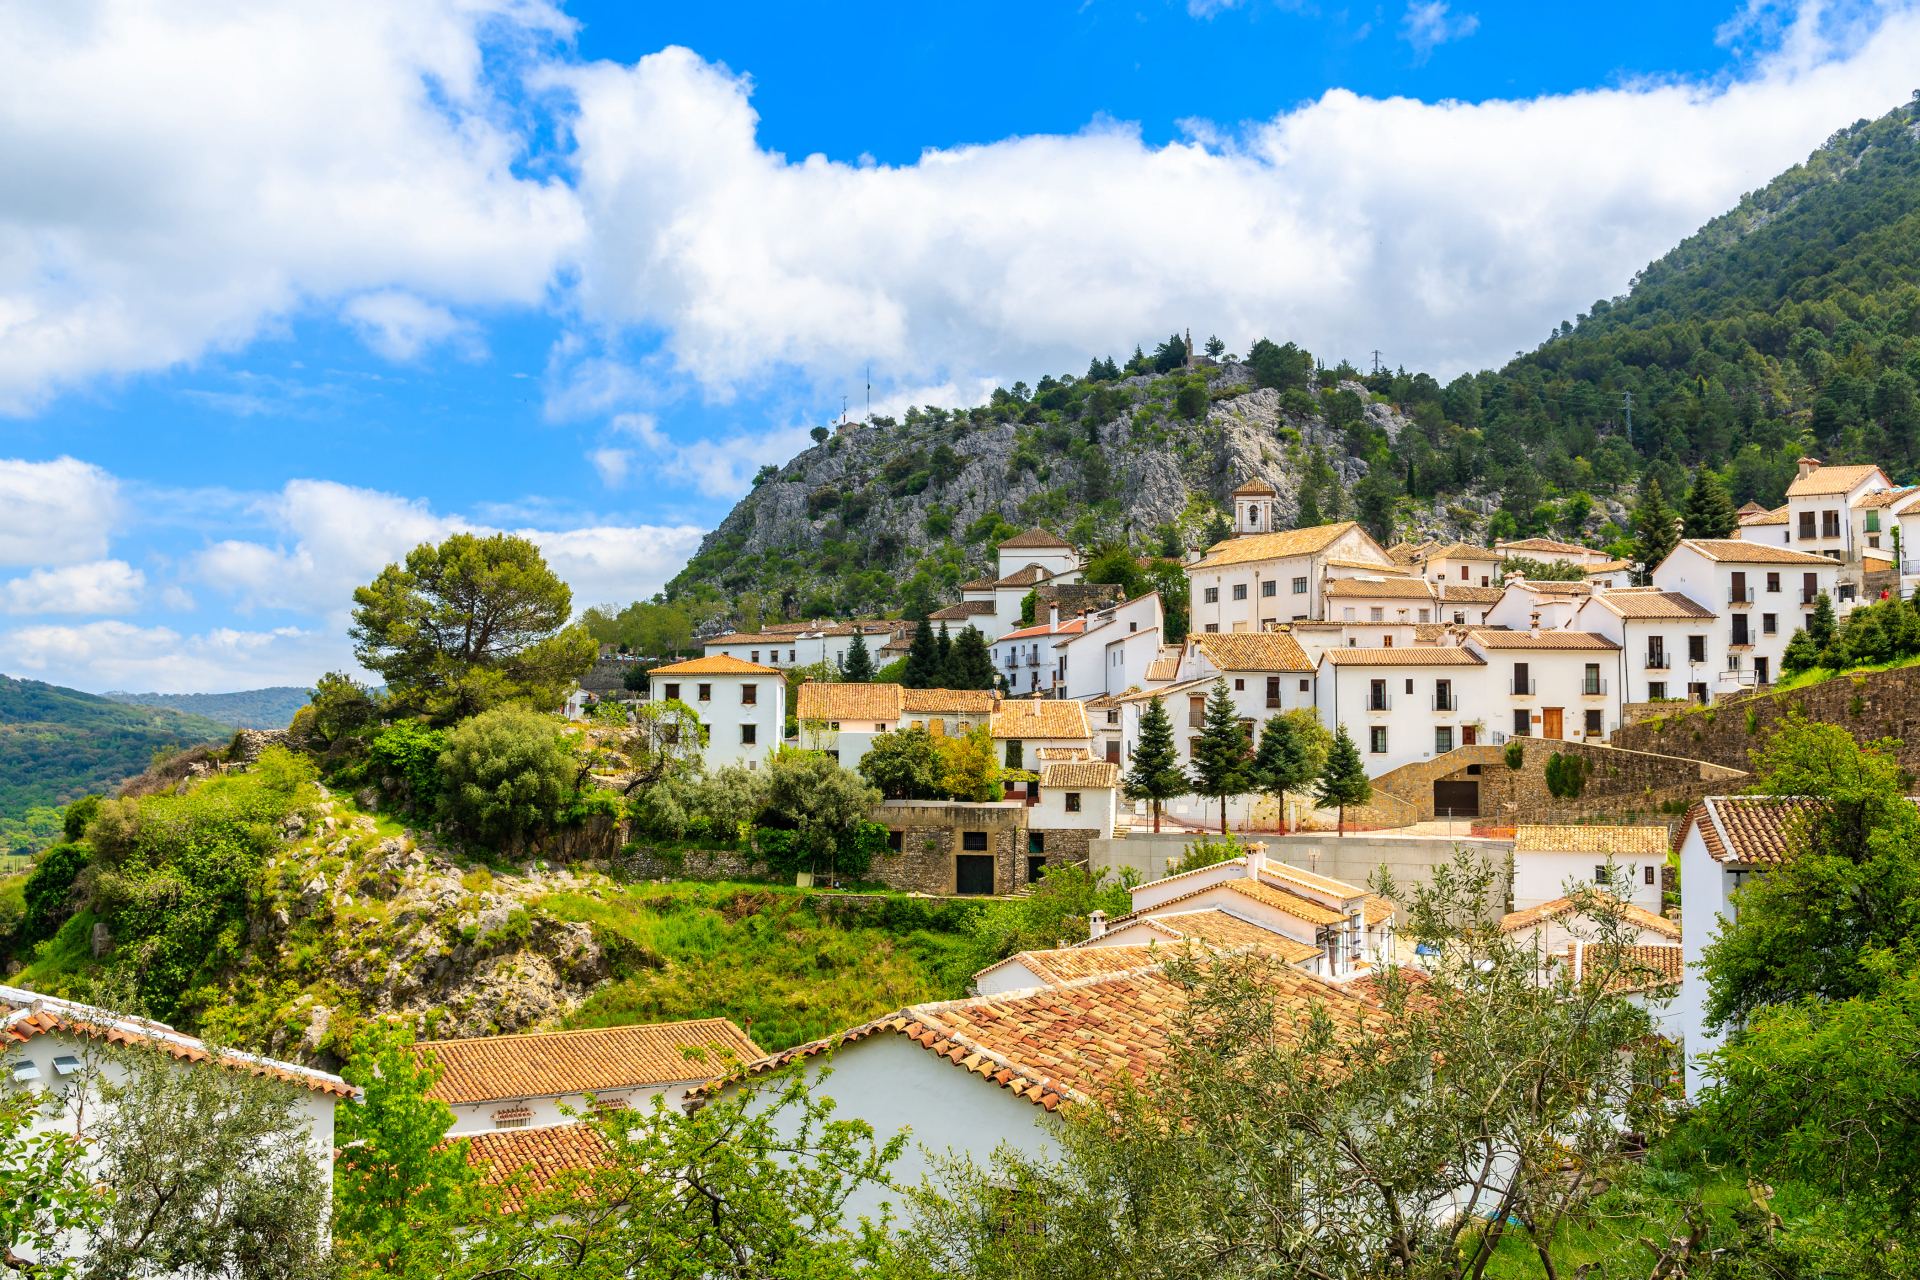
x: 104, y: 586
x: 1427, y: 26
x: 120, y: 655
x: 179, y: 177
x: 1445, y: 234
x: 717, y: 468
x: 55, y: 513
x: 399, y: 326
x: 620, y: 563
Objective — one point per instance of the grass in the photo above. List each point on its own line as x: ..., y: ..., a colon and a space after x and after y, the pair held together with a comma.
x: 766, y: 957
x: 1606, y: 1239
x: 1819, y: 675
x: 61, y: 960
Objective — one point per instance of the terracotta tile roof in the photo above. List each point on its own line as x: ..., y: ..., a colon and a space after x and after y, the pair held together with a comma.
x: 1454, y: 591
x: 1055, y: 755
x: 1426, y: 655
x: 1429, y: 632
x: 821, y: 700
x: 1391, y: 589
x: 1038, y: 629
x: 1748, y: 829
x: 1369, y: 566
x: 1255, y: 487
x: 1829, y: 480
x: 1254, y: 651
x: 1541, y: 588
x: 1071, y: 964
x: 534, y: 1154
x: 1465, y: 551
x: 1273, y: 546
x: 1585, y: 640
x: 1741, y: 551
x: 1638, y: 917
x: 1751, y: 509
x: 1225, y: 930
x: 1168, y: 690
x: 1036, y: 538
x: 1165, y: 667
x: 1608, y: 566
x: 1884, y: 497
x: 864, y: 628
x: 1406, y: 553
x: 562, y: 1062
x: 1777, y: 516
x: 959, y: 702
x: 751, y: 637
x: 1041, y: 718
x: 1527, y: 546
x: 1088, y: 775
x: 959, y: 612
x: 1030, y: 576
x: 26, y: 1014
x: 1649, y: 842
x: 1652, y: 604
x: 719, y: 664
x: 1311, y: 880
x: 1631, y: 968
x: 979, y: 584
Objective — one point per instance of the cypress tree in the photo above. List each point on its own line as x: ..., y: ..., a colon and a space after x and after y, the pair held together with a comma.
x: 1344, y: 781
x: 859, y: 663
x: 1155, y: 775
x: 1709, y: 511
x: 943, y: 661
x: 972, y: 662
x: 1654, y: 537
x: 1821, y: 628
x: 1309, y: 508
x: 1801, y: 655
x: 922, y: 671
x: 1218, y: 530
x: 1220, y: 752
x: 1281, y: 764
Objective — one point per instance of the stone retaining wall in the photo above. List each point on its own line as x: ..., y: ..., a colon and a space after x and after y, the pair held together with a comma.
x: 1623, y: 785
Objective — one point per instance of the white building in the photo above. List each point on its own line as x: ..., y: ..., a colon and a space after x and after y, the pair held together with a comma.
x: 1764, y: 592
x: 1076, y: 795
x: 1026, y: 561
x: 826, y: 643
x: 524, y: 1082
x: 742, y: 706
x: 1651, y: 627
x: 1547, y: 551
x: 1549, y: 928
x: 1378, y: 598
x: 1549, y: 861
x: 1258, y: 581
x: 1022, y: 726
x: 1823, y: 518
x: 1402, y: 705
x: 1110, y: 650
x: 1549, y: 684
x: 844, y: 719
x: 1460, y: 565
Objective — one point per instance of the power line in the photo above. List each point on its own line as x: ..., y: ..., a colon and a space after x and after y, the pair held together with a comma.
x: 1376, y: 362
x: 1627, y: 404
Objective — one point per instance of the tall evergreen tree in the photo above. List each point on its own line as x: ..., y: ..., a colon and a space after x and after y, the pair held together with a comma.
x: 923, y: 668
x: 1155, y: 775
x: 943, y: 661
x: 1220, y: 752
x: 1709, y: 511
x: 1822, y: 625
x: 859, y: 663
x: 1654, y: 536
x: 973, y: 662
x: 1309, y: 508
x: 1218, y: 530
x: 1344, y: 780
x: 1800, y: 654
x: 1282, y: 763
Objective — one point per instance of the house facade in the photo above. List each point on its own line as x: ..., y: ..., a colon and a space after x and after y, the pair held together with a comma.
x: 1825, y: 516
x: 742, y: 706
x: 1258, y: 581
x: 1762, y: 594
x: 1624, y: 862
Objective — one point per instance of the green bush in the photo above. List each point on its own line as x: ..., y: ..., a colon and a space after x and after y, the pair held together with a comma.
x: 51, y: 885
x: 78, y: 815
x: 505, y: 771
x: 1566, y: 775
x: 410, y: 752
x: 1517, y: 754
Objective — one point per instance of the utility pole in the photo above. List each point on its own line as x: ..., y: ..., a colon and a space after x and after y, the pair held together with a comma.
x: 843, y: 408
x: 1376, y: 362
x: 1627, y: 402
x: 869, y: 393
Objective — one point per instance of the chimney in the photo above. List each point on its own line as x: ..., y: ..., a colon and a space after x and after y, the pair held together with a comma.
x: 1533, y: 622
x: 1515, y: 576
x: 1096, y: 924
x: 1256, y: 861
x: 1053, y: 614
x: 1356, y: 933
x: 1807, y: 466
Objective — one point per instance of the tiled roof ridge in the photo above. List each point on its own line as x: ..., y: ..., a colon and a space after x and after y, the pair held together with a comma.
x: 582, y: 1033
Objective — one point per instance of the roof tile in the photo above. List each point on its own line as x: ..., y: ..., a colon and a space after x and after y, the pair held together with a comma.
x: 551, y: 1064
x: 1253, y: 651
x: 1825, y: 480
x: 820, y: 700
x: 720, y: 664
x: 1041, y: 718
x: 1638, y: 917
x: 1273, y: 546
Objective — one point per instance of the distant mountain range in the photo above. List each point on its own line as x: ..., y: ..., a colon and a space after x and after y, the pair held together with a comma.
x: 250, y: 709
x: 57, y: 745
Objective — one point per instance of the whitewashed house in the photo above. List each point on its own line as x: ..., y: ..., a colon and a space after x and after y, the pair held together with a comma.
x: 1651, y: 627
x: 1255, y: 582
x: 1548, y: 551
x: 1076, y: 796
x: 742, y: 706
x: 1549, y: 928
x: 1822, y: 517
x: 1625, y: 862
x: 1763, y: 594
x: 1021, y: 726
x: 531, y: 1081
x: 1110, y: 650
x: 844, y: 719
x: 826, y: 642
x: 1402, y: 705
x: 1378, y: 598
x: 1460, y: 565
x: 1549, y: 684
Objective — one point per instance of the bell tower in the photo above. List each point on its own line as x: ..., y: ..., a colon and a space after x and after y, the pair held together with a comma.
x: 1253, y: 507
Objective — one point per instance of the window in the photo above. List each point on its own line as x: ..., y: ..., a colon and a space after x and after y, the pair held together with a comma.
x: 1073, y: 802
x: 1873, y: 523
x: 789, y: 656
x: 1386, y: 641
x: 1113, y: 717
x: 1459, y: 619
x: 1426, y: 615
x: 706, y: 693
x: 1239, y: 591
x: 1132, y: 627
x: 1773, y: 582
x: 1769, y: 624
x: 1648, y: 872
x: 1740, y: 635
x: 973, y: 841
x: 1593, y: 724
x: 1656, y: 689
x: 1829, y: 524
x: 749, y: 695
x: 672, y: 693
x: 755, y: 656
x: 1379, y: 740
x: 1213, y: 595
x: 1299, y: 586
x: 1036, y: 843
x: 1377, y: 696
x: 1239, y: 686
x: 1591, y: 683
x: 1346, y: 615
x: 1873, y: 540
x: 893, y: 840
x: 1442, y: 740
x: 748, y: 732
x: 1697, y: 647
x: 1522, y: 722
x: 1409, y: 686
x: 1273, y: 691
x: 1600, y: 875
x: 1303, y: 686
x: 1463, y: 573
x: 1270, y: 587
x: 1376, y: 615
x: 1196, y: 712
x: 1213, y: 627
x: 1806, y: 526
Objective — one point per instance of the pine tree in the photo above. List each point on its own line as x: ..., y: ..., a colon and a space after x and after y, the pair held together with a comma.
x: 1218, y: 530
x: 1709, y: 511
x: 1821, y: 628
x: 1309, y: 508
x: 972, y: 661
x: 1281, y: 764
x: 1801, y: 654
x: 1654, y: 536
x: 1155, y: 775
x: 1344, y: 780
x: 859, y: 663
x: 922, y: 671
x: 1220, y: 752
x: 943, y: 661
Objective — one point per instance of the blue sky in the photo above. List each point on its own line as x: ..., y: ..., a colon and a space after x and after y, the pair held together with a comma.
x: 283, y: 292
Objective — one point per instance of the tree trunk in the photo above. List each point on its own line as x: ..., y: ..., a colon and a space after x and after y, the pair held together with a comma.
x: 1223, y: 815
x: 1156, y: 817
x: 1340, y: 823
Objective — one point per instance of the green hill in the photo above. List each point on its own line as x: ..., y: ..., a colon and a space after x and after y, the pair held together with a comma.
x: 57, y: 745
x: 249, y: 709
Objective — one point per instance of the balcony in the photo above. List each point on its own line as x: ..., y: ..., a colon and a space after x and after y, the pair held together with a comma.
x: 1523, y: 688
x: 1272, y: 703
x: 1445, y: 702
x: 1379, y: 700
x: 1809, y: 597
x: 1741, y: 640
x: 1659, y: 662
x: 1593, y: 688
x: 1741, y: 597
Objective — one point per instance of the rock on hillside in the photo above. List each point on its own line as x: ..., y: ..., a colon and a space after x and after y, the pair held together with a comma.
x: 853, y: 518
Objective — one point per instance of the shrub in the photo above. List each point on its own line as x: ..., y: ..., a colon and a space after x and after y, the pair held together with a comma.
x: 1517, y: 754
x: 49, y: 888
x: 505, y: 772
x: 410, y: 752
x: 78, y: 815
x: 1566, y: 775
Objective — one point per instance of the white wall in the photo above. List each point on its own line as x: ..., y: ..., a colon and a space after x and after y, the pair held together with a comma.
x: 477, y: 1117
x: 1344, y: 696
x: 1558, y: 679
x: 1542, y: 876
x: 1097, y: 808
x: 1710, y: 584
x: 724, y: 713
x: 1705, y: 904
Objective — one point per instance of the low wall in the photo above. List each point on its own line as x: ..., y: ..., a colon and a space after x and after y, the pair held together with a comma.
x: 1624, y: 785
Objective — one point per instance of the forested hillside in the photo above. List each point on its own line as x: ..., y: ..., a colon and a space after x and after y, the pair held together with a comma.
x: 249, y: 709
x: 1784, y: 326
x: 57, y: 745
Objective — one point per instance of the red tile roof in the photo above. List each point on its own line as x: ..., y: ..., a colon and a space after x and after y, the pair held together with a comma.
x: 1638, y: 917
x: 557, y: 1063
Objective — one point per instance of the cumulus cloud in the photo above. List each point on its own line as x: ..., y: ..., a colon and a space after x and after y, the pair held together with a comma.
x: 717, y: 468
x: 121, y: 655
x: 399, y: 326
x: 616, y: 562
x: 55, y: 513
x: 1426, y: 26
x: 181, y: 176
x: 1446, y: 234
x: 105, y: 586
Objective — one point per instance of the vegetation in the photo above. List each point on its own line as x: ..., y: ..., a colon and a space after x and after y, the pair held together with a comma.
x: 504, y: 773
x: 1155, y: 774
x: 1220, y: 753
x: 250, y: 709
x: 1343, y: 779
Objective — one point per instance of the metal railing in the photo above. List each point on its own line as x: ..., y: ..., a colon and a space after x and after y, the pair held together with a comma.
x: 1740, y: 640
x: 1809, y: 597
x: 1378, y: 701
x: 1741, y: 597
x: 1523, y: 688
x: 1445, y: 702
x: 1659, y: 662
x: 1593, y: 688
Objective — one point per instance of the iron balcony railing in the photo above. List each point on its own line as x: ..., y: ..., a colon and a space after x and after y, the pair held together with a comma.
x: 1809, y: 597
x: 1445, y: 702
x: 1523, y: 688
x: 1741, y: 597
x: 1659, y: 662
x: 1379, y: 701
x: 1590, y: 688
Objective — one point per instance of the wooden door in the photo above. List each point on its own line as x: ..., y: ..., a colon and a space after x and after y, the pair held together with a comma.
x: 1462, y: 798
x: 1550, y: 722
x: 973, y: 873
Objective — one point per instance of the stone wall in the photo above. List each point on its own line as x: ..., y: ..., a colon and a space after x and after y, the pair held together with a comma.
x: 1869, y: 705
x: 1623, y: 785
x: 931, y: 838
x: 1064, y: 848
x: 642, y: 862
